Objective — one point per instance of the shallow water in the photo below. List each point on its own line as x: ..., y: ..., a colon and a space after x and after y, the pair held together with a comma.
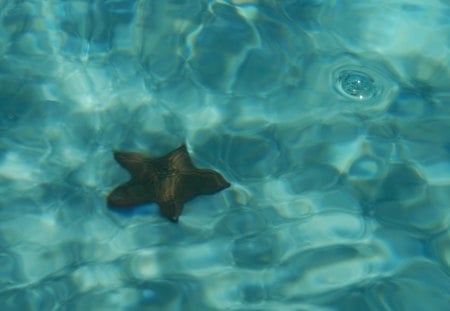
x: 330, y: 119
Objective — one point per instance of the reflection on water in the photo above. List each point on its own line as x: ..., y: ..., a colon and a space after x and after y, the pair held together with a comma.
x: 330, y: 120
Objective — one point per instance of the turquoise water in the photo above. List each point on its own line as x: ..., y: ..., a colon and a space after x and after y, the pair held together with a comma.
x: 331, y: 120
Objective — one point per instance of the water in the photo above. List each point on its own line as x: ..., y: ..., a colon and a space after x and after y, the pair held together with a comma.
x: 330, y: 119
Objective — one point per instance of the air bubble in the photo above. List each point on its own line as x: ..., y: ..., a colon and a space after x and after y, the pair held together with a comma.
x: 356, y: 84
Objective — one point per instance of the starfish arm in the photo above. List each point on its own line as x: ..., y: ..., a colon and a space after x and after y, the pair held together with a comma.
x: 131, y: 194
x: 171, y: 209
x: 132, y: 162
x: 179, y: 159
x: 205, y: 181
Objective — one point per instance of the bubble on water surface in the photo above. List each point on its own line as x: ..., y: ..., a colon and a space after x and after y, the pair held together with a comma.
x: 356, y: 84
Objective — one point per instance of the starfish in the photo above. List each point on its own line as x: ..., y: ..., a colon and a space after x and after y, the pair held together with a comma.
x: 170, y: 181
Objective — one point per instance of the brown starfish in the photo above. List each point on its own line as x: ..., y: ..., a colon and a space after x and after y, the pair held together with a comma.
x: 170, y: 181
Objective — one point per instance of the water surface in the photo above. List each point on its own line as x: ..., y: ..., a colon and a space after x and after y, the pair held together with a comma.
x: 329, y: 118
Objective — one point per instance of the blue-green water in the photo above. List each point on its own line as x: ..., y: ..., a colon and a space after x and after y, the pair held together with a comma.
x: 331, y: 120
